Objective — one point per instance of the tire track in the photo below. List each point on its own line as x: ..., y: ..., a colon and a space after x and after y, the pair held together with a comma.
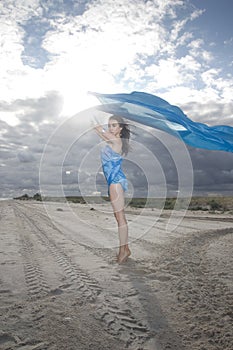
x: 120, y: 322
x: 34, y: 277
x: 87, y: 287
x: 114, y: 312
x: 181, y: 272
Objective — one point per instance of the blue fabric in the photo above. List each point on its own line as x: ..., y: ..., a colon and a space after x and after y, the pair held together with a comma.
x: 111, y: 164
x: 153, y: 111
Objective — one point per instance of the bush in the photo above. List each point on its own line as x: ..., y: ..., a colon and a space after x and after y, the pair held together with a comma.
x: 37, y: 197
x: 214, y: 205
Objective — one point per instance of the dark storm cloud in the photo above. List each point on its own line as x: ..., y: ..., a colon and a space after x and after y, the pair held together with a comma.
x: 158, y: 143
x: 25, y: 157
x: 35, y: 109
x: 22, y: 145
x: 211, y: 113
x: 212, y: 170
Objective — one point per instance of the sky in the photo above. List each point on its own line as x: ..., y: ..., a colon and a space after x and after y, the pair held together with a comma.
x: 54, y: 52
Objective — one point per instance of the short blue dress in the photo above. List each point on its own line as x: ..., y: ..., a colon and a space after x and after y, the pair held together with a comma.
x: 111, y: 164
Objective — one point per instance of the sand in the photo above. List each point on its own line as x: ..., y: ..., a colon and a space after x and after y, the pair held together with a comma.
x: 61, y: 288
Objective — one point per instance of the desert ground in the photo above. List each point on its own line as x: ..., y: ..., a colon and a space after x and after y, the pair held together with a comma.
x: 61, y: 287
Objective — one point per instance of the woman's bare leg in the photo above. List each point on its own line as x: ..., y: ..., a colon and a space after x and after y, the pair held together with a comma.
x: 117, y: 200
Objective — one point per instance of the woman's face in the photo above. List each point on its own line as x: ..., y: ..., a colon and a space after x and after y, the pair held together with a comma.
x: 114, y: 127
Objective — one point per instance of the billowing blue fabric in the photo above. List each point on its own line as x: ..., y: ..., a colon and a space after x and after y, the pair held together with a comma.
x: 111, y: 164
x: 153, y: 111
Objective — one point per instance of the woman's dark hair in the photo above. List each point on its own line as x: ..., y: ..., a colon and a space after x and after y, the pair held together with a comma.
x: 125, y: 133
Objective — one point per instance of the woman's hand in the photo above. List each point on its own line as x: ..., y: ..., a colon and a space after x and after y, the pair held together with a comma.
x: 98, y: 129
x: 95, y: 121
x: 104, y: 134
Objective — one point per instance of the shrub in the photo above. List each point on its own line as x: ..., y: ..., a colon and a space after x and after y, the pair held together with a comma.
x: 214, y: 205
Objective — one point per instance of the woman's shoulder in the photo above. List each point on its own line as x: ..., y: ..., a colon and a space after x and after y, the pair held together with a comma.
x: 117, y: 146
x: 109, y: 148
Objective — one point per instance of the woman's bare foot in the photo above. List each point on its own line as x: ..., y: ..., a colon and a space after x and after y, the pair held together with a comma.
x: 123, y: 256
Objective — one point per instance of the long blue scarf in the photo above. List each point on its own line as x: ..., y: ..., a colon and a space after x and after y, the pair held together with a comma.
x: 157, y: 113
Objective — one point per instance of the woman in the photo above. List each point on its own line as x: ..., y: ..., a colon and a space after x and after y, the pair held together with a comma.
x: 117, y: 139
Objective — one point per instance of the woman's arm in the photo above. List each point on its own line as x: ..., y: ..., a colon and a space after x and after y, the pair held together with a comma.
x: 105, y: 135
x: 100, y: 132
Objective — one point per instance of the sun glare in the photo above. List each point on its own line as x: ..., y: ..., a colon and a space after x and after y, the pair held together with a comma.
x: 9, y: 118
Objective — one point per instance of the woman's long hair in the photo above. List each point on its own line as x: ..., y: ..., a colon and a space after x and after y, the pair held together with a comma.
x: 125, y: 133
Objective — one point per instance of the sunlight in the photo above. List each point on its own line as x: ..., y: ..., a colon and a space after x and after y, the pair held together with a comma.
x: 9, y: 118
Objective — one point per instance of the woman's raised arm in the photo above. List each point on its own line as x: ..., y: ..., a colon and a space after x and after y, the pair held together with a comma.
x: 105, y: 135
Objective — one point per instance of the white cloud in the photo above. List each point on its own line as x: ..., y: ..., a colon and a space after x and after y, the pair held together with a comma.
x: 16, y: 78
x: 108, y: 41
x: 20, y: 10
x: 210, y: 76
x: 228, y: 41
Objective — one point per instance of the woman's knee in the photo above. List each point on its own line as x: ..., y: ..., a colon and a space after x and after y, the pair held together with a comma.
x: 120, y: 217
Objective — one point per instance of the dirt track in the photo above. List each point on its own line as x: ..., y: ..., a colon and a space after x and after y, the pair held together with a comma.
x: 60, y: 287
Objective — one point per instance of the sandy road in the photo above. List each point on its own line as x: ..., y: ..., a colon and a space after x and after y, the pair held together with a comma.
x: 60, y: 287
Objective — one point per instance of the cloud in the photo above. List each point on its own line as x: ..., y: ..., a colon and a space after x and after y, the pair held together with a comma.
x: 22, y: 144
x: 25, y: 157
x: 104, y: 46
x: 52, y: 53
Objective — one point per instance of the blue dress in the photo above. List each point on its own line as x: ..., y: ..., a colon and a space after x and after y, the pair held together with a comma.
x: 111, y: 164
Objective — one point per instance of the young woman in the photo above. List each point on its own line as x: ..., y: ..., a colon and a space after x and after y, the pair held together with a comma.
x: 117, y: 139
